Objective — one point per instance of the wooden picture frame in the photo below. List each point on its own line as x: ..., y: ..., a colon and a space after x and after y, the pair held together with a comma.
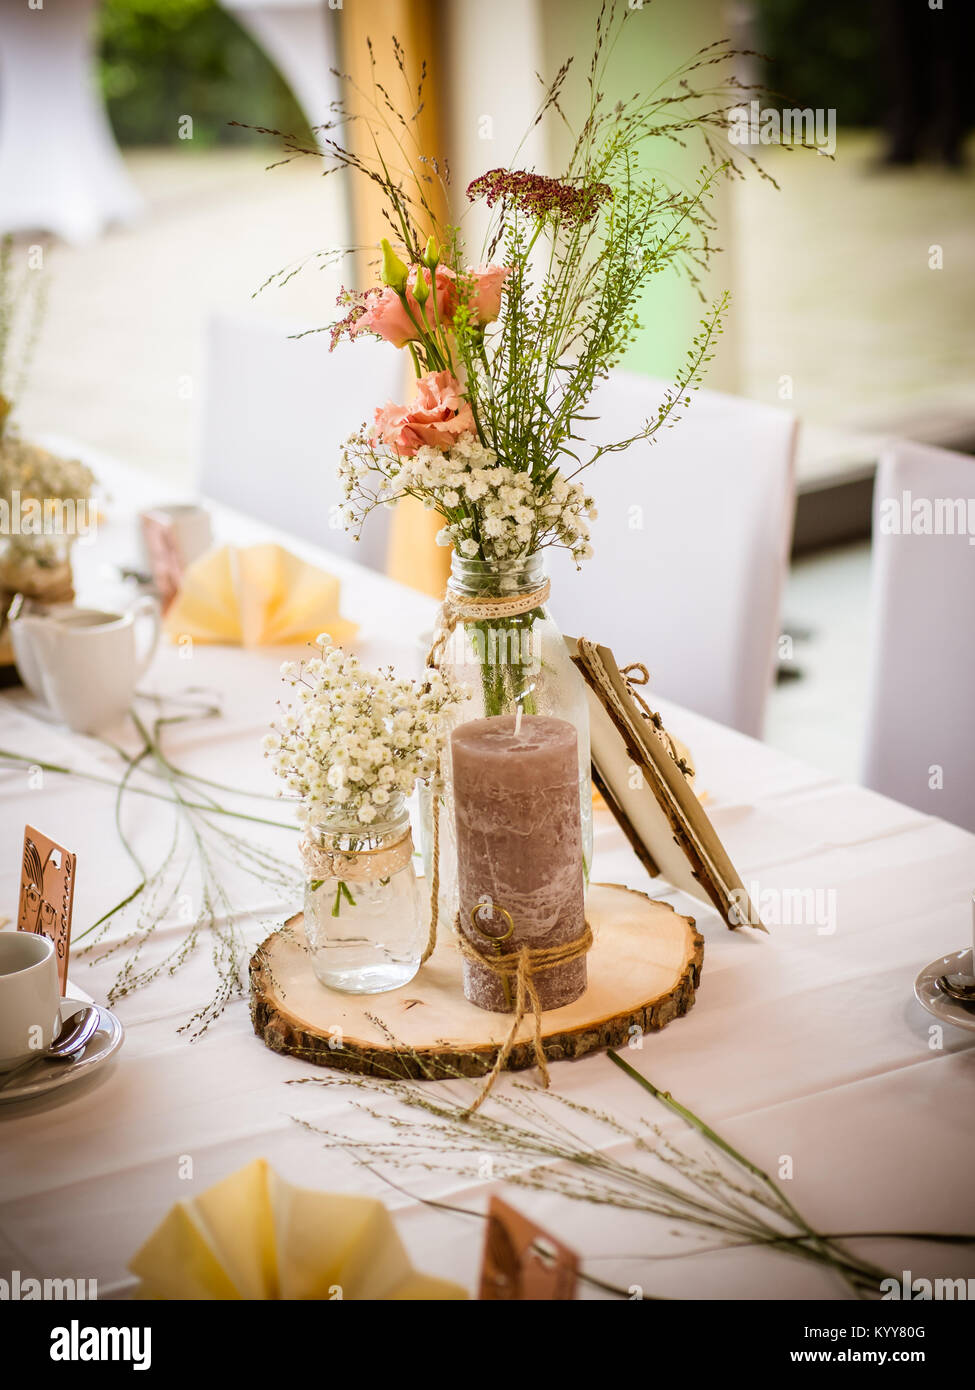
x: 645, y: 779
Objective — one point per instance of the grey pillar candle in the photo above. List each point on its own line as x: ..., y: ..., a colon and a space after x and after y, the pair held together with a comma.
x: 519, y: 846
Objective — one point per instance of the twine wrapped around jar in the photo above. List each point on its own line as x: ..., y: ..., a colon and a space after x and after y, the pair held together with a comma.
x: 356, y: 865
x: 42, y: 583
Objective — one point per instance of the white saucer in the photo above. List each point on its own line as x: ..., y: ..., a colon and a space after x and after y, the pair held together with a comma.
x: 48, y: 1076
x: 927, y: 993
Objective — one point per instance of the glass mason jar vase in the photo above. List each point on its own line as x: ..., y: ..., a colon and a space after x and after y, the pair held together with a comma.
x: 515, y: 661
x: 364, y: 918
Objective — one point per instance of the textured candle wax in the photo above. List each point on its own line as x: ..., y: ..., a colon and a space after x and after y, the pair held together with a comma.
x: 519, y: 846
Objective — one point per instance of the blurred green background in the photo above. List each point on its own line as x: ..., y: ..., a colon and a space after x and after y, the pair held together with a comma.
x: 825, y: 53
x: 161, y: 59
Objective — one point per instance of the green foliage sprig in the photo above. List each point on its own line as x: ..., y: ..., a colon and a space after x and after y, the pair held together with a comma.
x: 721, y: 1201
x: 203, y: 845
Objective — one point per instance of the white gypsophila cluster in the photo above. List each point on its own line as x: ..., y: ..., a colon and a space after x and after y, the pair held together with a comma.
x: 492, y: 511
x: 32, y: 475
x: 354, y: 740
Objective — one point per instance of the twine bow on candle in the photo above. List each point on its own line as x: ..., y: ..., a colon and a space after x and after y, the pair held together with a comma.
x: 520, y: 964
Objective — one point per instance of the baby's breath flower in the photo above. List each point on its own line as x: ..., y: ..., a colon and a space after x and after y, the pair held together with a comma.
x: 505, y: 513
x: 355, y: 739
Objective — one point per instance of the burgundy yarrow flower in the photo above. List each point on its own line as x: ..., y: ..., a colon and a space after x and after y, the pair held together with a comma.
x: 540, y: 196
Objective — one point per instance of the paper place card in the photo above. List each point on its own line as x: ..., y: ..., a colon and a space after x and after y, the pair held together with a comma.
x: 522, y: 1262
x: 47, y: 876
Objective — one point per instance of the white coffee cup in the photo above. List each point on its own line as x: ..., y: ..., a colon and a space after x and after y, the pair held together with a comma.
x: 30, y: 998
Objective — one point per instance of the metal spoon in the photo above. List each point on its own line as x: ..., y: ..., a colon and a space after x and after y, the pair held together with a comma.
x: 964, y: 992
x: 72, y: 1038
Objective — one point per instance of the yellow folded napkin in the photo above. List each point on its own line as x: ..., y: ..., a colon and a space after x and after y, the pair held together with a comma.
x: 255, y: 1236
x: 255, y: 595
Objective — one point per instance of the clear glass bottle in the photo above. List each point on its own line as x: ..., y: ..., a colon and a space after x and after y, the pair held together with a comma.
x: 364, y: 917
x: 505, y: 662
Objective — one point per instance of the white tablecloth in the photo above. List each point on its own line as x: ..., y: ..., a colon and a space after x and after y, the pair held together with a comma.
x: 805, y: 1043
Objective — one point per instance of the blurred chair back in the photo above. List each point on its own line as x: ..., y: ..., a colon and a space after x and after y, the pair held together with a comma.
x: 691, y: 546
x: 277, y: 410
x: 920, y: 744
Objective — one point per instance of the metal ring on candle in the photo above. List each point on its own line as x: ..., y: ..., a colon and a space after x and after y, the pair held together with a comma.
x: 494, y: 908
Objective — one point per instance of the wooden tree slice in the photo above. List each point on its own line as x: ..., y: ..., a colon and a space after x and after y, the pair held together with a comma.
x: 644, y: 966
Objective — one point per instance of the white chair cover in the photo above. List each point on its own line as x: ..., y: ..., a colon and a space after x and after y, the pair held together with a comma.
x: 274, y: 418
x: 692, y: 544
x: 920, y: 739
x: 299, y: 37
x: 60, y: 168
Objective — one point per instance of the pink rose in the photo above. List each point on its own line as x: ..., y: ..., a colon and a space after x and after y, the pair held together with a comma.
x: 386, y: 314
x: 438, y: 416
x: 485, y: 300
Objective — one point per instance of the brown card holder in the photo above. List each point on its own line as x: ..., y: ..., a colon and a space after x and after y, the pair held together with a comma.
x: 47, y: 879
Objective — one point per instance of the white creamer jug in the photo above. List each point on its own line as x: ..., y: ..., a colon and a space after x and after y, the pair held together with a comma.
x: 85, y: 663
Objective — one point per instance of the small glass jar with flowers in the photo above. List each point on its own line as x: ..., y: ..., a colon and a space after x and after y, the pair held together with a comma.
x: 350, y: 747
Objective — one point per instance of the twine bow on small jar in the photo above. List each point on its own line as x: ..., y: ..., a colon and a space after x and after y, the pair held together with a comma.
x: 322, y: 863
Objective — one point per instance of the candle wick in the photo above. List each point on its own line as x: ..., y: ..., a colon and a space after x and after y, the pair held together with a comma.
x: 518, y: 714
